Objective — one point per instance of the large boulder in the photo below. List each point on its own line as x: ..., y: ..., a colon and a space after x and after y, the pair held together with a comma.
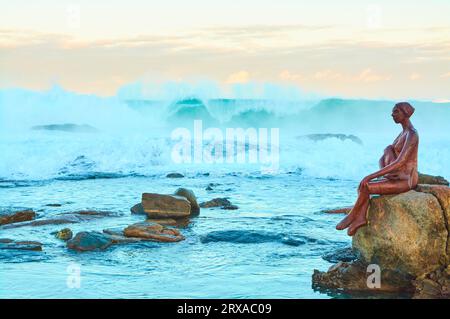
x: 165, y: 206
x: 15, y: 215
x: 407, y: 236
x: 407, y: 232
x: 190, y: 196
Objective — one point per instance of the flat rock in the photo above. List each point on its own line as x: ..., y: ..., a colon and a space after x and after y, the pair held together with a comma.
x: 432, y: 180
x: 15, y: 215
x: 65, y: 218
x: 153, y: 231
x: 165, y: 206
x: 6, y: 243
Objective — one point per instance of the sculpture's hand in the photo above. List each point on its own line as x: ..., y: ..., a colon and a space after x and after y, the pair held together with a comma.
x: 365, y: 180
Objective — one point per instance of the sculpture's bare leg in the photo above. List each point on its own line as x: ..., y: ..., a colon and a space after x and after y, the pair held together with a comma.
x: 383, y: 187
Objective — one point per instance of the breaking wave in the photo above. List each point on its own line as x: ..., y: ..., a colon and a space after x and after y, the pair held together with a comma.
x: 57, y: 134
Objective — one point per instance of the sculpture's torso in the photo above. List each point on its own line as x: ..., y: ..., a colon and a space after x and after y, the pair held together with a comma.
x: 408, y: 171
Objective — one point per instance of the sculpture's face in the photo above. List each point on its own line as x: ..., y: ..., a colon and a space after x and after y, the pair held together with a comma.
x: 398, y: 115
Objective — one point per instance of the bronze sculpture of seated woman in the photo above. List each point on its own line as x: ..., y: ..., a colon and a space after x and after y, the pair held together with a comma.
x: 397, y: 174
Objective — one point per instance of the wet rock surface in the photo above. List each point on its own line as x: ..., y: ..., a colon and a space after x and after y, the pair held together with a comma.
x: 64, y: 234
x: 153, y: 231
x: 90, y: 241
x: 223, y: 203
x: 15, y: 215
x: 165, y: 206
x: 354, y: 277
x: 344, y: 254
x: 174, y: 175
x: 7, y: 244
x: 66, y: 218
x: 190, y: 196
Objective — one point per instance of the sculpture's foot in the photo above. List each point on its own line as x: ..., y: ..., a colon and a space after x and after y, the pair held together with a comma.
x: 343, y: 224
x: 357, y: 223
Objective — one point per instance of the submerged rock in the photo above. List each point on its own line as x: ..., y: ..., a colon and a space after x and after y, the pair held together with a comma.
x: 251, y: 237
x: 153, y: 231
x: 137, y: 209
x: 174, y: 175
x: 223, y: 203
x: 165, y: 206
x: 343, y: 210
x: 344, y: 254
x: 66, y: 218
x: 15, y: 215
x: 342, y: 137
x: 68, y: 127
x: 432, y: 180
x: 354, y: 277
x: 190, y: 196
x: 6, y: 243
x: 407, y: 232
x: 88, y: 241
x: 64, y: 234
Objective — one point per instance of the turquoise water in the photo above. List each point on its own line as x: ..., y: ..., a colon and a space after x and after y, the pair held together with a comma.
x: 284, y: 210
x: 268, y: 248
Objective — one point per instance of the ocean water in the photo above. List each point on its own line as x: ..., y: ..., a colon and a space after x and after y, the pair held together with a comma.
x: 121, y: 146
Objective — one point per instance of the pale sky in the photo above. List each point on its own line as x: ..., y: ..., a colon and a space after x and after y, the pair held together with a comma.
x: 371, y: 49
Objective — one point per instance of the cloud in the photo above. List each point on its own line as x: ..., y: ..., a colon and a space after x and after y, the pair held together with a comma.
x: 238, y: 78
x: 445, y: 75
x: 414, y: 76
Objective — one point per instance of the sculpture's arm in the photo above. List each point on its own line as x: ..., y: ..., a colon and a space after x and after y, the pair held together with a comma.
x: 408, y: 148
x: 388, y: 156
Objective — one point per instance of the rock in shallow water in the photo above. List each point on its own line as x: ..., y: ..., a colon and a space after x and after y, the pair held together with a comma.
x: 6, y: 243
x: 15, y: 215
x: 190, y: 196
x: 252, y: 237
x: 344, y: 254
x: 165, y: 206
x: 88, y: 241
x: 434, y: 285
x: 223, y: 203
x: 153, y: 231
x: 353, y: 277
x: 174, y: 175
x: 64, y: 234
x: 66, y: 218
